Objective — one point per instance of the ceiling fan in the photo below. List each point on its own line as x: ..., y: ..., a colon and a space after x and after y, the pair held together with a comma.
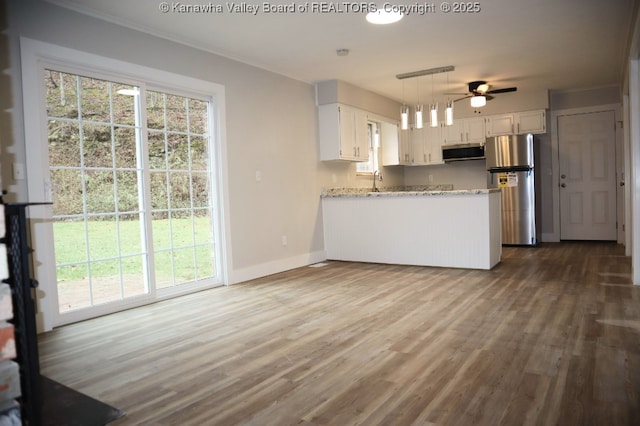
x: 479, y: 93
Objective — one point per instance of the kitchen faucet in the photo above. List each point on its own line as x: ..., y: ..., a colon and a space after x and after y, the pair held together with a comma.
x: 376, y: 173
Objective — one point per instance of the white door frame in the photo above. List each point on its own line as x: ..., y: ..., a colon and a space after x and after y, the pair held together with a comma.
x: 555, y: 163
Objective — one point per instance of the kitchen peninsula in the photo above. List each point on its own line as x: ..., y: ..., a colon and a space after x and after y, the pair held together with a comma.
x: 447, y: 228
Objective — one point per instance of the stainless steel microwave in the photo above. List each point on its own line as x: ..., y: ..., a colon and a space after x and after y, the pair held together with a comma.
x: 461, y: 152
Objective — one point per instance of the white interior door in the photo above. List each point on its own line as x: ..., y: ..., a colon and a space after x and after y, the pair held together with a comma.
x: 587, y: 176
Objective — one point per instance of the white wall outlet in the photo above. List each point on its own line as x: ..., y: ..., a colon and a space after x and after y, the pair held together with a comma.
x: 258, y: 176
x: 284, y: 240
x: 430, y: 178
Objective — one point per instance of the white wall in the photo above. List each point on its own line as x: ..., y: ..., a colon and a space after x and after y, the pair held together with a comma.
x: 271, y: 127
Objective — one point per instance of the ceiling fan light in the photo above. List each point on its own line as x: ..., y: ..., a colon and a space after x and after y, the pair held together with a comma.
x: 382, y: 17
x: 404, y: 117
x: 419, y: 117
x: 448, y: 114
x: 478, y: 101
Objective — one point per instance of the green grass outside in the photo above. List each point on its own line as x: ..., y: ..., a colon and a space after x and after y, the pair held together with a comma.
x: 71, y: 247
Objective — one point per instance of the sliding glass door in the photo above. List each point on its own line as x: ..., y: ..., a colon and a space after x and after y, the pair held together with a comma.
x: 131, y: 172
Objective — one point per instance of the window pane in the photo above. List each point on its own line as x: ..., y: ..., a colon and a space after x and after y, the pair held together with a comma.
x: 155, y: 110
x: 130, y: 231
x: 124, y: 104
x: 157, y: 150
x: 62, y: 94
x: 159, y: 191
x: 103, y: 238
x: 99, y: 195
x: 96, y: 141
x: 180, y: 196
x: 161, y: 232
x: 64, y: 143
x: 200, y: 186
x: 67, y: 189
x: 199, y: 154
x: 105, y: 281
x: 178, y: 146
x: 127, y: 191
x: 71, y: 246
x: 74, y: 291
x: 134, y: 279
x: 197, y: 116
x: 95, y: 100
x: 204, y: 261
x: 164, y: 269
x: 203, y: 227
x: 176, y: 107
x: 125, y: 147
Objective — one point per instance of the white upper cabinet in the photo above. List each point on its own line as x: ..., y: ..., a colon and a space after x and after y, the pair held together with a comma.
x: 516, y: 123
x: 465, y: 130
x: 343, y: 133
x: 390, y: 145
x: 498, y: 125
x: 531, y: 122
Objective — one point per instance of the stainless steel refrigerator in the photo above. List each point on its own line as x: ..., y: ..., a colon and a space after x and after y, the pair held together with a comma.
x: 510, y: 167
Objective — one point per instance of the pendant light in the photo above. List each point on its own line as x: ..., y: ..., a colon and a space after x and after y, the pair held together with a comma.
x: 434, y: 115
x: 434, y: 108
x: 419, y: 109
x: 448, y: 113
x: 404, y: 117
x: 404, y: 113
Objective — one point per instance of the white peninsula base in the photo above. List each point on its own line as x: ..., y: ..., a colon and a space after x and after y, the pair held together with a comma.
x: 459, y: 229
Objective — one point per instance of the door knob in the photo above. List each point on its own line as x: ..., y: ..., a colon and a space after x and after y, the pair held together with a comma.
x: 621, y: 183
x: 564, y: 185
x: 563, y: 176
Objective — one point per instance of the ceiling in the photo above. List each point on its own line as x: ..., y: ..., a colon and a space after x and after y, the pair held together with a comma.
x: 532, y: 44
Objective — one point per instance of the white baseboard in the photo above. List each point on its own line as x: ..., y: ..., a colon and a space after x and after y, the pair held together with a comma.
x: 273, y: 267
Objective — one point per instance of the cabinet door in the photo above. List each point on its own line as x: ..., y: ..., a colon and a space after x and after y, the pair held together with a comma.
x: 531, y: 122
x: 347, y: 133
x: 498, y: 125
x: 474, y: 130
x: 418, y: 152
x: 434, y: 139
x: 390, y: 144
x: 361, y: 135
x: 454, y: 134
x: 405, y: 146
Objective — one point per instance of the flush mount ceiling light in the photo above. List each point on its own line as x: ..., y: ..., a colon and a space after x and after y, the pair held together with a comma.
x: 382, y: 17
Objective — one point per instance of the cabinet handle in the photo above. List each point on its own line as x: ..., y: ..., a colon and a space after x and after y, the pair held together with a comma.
x: 467, y: 134
x: 461, y: 137
x: 518, y: 127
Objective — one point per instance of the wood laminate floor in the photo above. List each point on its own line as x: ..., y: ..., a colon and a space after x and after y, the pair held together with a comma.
x: 550, y: 336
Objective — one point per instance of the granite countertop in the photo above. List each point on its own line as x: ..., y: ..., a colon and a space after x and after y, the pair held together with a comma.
x: 405, y: 191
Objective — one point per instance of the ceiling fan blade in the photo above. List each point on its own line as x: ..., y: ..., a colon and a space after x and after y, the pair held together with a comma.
x: 460, y: 94
x: 506, y: 90
x: 459, y: 99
